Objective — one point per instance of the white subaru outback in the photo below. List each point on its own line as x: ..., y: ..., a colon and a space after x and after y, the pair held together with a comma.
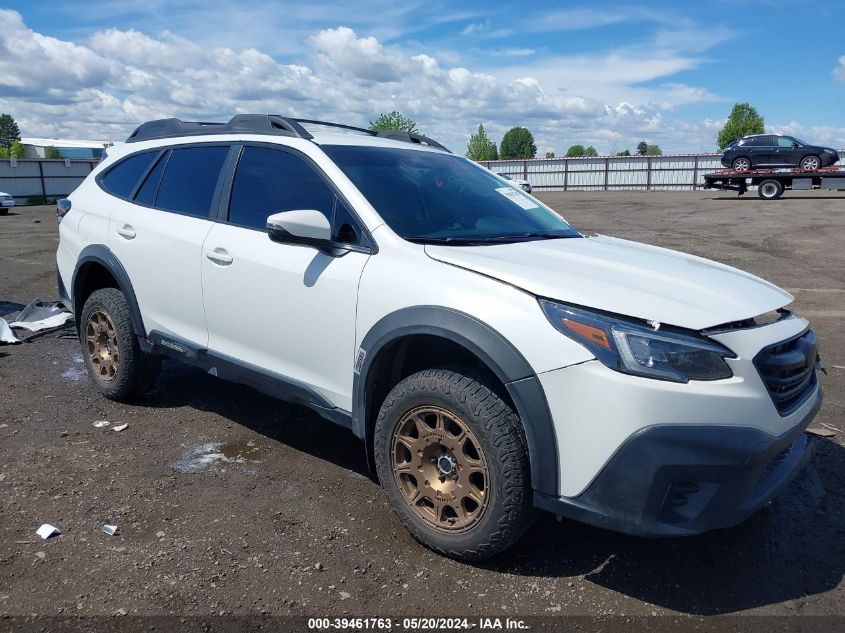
x: 491, y: 359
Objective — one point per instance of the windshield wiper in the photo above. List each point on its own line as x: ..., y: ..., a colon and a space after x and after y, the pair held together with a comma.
x: 453, y: 241
x: 529, y: 236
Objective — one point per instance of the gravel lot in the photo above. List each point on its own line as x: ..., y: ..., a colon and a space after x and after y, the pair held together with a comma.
x: 229, y: 502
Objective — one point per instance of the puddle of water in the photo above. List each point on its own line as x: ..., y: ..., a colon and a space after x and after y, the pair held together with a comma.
x: 201, y: 458
x: 77, y: 371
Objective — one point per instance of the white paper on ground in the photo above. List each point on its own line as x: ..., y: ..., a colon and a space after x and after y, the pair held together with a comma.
x: 34, y: 326
x: 6, y: 334
x: 47, y: 530
x: 119, y: 427
x: 101, y: 423
x: 514, y: 196
x: 111, y: 530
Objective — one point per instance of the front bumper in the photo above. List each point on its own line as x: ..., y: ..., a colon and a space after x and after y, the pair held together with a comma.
x: 682, y: 480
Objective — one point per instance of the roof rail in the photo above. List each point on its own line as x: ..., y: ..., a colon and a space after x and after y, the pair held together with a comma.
x: 411, y: 137
x: 261, y: 124
x: 243, y: 123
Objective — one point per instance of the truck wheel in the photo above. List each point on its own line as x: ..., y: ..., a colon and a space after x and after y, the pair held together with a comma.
x: 4, y: 211
x: 452, y: 458
x: 741, y: 164
x: 118, y: 367
x: 811, y: 162
x: 770, y: 189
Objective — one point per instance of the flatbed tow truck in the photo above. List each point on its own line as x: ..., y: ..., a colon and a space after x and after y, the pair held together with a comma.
x: 771, y: 183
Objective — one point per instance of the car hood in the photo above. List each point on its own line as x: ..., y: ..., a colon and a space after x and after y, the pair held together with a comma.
x: 623, y: 277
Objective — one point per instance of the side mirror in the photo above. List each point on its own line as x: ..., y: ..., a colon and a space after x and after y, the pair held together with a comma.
x: 306, y: 227
x: 794, y: 145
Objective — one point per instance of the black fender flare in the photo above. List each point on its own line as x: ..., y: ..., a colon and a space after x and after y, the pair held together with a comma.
x: 102, y: 255
x: 494, y: 350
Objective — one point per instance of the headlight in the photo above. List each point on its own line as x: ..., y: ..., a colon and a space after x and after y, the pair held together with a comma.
x: 631, y: 348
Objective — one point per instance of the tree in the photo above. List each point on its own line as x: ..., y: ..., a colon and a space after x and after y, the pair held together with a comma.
x: 550, y: 154
x: 642, y: 148
x: 393, y: 121
x: 9, y: 132
x: 591, y: 151
x: 480, y: 147
x: 52, y: 152
x: 743, y: 120
x: 17, y: 150
x: 653, y: 150
x: 517, y: 142
x: 626, y: 152
x: 575, y: 151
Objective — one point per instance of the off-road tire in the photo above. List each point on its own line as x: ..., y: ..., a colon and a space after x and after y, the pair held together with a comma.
x: 136, y: 371
x: 464, y: 392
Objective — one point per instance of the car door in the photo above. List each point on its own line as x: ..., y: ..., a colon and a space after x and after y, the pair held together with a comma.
x: 787, y: 155
x: 158, y: 233
x: 284, y: 309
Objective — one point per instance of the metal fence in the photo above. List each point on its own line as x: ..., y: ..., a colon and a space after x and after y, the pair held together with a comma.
x: 23, y: 178
x: 607, y: 173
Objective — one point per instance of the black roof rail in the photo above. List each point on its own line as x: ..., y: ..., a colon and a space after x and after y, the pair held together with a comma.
x: 261, y: 124
x: 340, y: 125
x: 411, y: 137
x: 243, y: 123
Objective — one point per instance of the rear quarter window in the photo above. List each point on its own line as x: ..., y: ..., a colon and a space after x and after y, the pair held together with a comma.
x: 122, y: 179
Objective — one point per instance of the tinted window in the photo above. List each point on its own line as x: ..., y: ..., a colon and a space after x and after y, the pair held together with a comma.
x: 190, y: 179
x: 269, y: 181
x: 147, y: 193
x: 440, y: 197
x: 121, y: 179
x: 785, y: 141
x: 345, y: 228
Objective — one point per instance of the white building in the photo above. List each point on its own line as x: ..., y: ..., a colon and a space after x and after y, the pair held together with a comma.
x: 68, y: 148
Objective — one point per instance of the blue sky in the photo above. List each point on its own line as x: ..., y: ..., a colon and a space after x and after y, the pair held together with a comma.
x: 601, y: 73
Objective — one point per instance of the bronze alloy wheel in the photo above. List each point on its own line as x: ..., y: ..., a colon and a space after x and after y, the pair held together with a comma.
x: 440, y: 468
x: 101, y: 343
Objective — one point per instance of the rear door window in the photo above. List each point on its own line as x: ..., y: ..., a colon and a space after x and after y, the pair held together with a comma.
x: 190, y: 179
x: 121, y: 179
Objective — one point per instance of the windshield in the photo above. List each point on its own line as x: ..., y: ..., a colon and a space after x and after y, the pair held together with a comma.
x: 433, y: 197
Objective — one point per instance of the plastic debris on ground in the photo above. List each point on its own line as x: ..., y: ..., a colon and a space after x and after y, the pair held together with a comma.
x: 111, y: 530
x: 119, y: 427
x: 6, y: 334
x: 47, y: 530
x: 42, y: 315
x: 101, y: 424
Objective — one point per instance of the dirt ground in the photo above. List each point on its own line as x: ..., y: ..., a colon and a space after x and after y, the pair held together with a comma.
x: 229, y: 502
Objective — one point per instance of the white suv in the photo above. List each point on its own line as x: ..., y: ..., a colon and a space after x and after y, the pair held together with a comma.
x: 491, y: 359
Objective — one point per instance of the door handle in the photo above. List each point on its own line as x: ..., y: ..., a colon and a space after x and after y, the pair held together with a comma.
x: 126, y: 231
x: 219, y: 256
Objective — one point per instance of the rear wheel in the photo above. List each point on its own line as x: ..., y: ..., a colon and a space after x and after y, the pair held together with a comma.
x: 451, y: 456
x: 741, y: 164
x: 810, y: 162
x: 118, y: 367
x: 770, y: 190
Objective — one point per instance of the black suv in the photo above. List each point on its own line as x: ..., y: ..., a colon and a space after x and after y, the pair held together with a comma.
x: 768, y: 150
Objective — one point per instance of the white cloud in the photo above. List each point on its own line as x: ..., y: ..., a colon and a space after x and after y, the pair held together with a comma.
x: 816, y: 134
x: 107, y: 83
x: 839, y: 71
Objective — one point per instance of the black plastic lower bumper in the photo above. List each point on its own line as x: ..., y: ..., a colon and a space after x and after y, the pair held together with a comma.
x: 683, y: 480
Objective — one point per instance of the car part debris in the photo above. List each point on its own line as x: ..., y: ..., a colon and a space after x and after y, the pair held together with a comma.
x: 6, y: 334
x: 42, y: 315
x: 111, y: 530
x: 47, y: 530
x: 119, y: 427
x: 101, y: 424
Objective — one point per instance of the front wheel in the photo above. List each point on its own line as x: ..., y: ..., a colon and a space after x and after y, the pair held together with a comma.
x: 741, y: 164
x: 770, y: 190
x: 811, y: 162
x: 452, y: 458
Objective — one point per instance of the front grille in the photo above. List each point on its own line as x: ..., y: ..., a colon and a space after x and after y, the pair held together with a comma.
x: 788, y: 370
